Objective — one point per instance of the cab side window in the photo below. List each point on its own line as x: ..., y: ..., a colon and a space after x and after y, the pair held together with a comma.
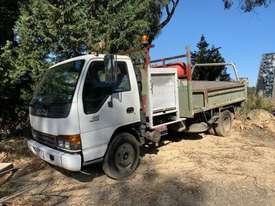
x: 123, y: 82
x: 96, y: 89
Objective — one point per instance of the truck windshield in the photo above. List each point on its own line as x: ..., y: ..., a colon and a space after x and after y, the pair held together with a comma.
x: 53, y: 95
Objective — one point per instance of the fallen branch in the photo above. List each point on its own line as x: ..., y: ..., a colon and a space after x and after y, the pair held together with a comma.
x: 5, y: 199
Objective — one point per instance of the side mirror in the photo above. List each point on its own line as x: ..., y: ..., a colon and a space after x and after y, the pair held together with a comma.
x: 111, y: 74
x: 110, y: 68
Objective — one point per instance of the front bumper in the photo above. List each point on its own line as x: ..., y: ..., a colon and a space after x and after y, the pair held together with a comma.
x: 67, y: 161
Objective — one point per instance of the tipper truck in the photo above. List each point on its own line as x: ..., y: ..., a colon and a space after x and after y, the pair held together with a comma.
x: 96, y: 108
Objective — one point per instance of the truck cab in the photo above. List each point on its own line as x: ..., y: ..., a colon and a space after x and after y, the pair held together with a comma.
x: 76, y: 110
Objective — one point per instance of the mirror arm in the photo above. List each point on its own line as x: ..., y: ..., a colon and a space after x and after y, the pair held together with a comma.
x: 110, y: 103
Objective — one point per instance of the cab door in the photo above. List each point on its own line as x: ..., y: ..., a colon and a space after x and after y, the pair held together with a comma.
x: 103, y: 109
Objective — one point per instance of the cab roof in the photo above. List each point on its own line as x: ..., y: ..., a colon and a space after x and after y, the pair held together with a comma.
x: 88, y: 57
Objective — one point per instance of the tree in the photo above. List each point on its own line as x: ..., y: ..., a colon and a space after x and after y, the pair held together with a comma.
x: 48, y: 31
x: 208, y: 55
x: 247, y: 5
x: 9, y: 11
x: 53, y: 30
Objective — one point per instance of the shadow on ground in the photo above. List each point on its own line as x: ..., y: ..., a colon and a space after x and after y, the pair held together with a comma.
x: 146, y: 186
x: 88, y: 173
x: 93, y: 171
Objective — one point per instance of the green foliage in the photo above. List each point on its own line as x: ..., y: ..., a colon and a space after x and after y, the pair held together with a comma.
x: 59, y: 30
x: 206, y: 54
x: 257, y: 102
x: 54, y: 30
x: 247, y: 5
x: 9, y: 11
x: 49, y: 31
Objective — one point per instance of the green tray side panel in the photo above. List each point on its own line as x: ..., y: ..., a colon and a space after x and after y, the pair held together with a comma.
x: 218, y: 99
x: 191, y: 103
x: 185, y: 99
x: 228, y: 97
x: 198, y: 101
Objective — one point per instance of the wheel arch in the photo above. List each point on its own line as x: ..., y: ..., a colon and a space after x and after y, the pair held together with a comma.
x: 231, y: 108
x: 132, y: 129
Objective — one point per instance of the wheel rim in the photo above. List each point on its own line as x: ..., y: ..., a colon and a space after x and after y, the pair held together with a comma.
x: 125, y: 156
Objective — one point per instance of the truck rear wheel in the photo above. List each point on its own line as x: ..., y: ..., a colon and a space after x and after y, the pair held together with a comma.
x: 224, y: 124
x: 122, y: 157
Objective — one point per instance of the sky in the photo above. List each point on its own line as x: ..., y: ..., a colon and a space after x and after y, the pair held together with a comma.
x: 244, y: 37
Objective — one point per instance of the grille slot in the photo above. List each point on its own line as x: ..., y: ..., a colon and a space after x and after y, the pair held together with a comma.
x: 47, y: 139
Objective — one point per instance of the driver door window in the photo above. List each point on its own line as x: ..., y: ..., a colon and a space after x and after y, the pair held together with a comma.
x: 96, y: 89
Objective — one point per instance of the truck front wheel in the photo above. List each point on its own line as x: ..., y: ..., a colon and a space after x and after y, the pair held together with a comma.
x: 122, y: 157
x: 224, y: 124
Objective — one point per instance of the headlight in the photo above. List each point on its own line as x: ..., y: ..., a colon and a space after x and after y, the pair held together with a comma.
x: 69, y: 142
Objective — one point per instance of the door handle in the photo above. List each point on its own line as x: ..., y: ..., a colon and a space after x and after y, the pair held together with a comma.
x: 94, y: 118
x: 130, y: 110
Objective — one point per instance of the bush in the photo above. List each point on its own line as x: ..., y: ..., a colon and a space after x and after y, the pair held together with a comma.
x: 257, y: 102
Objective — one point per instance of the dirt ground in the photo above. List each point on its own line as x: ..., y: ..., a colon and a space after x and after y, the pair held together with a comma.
x: 185, y: 170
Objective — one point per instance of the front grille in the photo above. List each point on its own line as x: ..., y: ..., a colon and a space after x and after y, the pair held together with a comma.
x: 46, y: 139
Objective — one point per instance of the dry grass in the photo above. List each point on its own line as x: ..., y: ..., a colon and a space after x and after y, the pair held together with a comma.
x: 13, y: 149
x: 256, y: 102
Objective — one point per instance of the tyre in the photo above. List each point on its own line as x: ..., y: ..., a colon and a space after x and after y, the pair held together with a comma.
x: 224, y: 124
x: 122, y: 157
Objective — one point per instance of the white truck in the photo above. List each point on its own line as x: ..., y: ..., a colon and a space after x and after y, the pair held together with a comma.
x: 90, y: 108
